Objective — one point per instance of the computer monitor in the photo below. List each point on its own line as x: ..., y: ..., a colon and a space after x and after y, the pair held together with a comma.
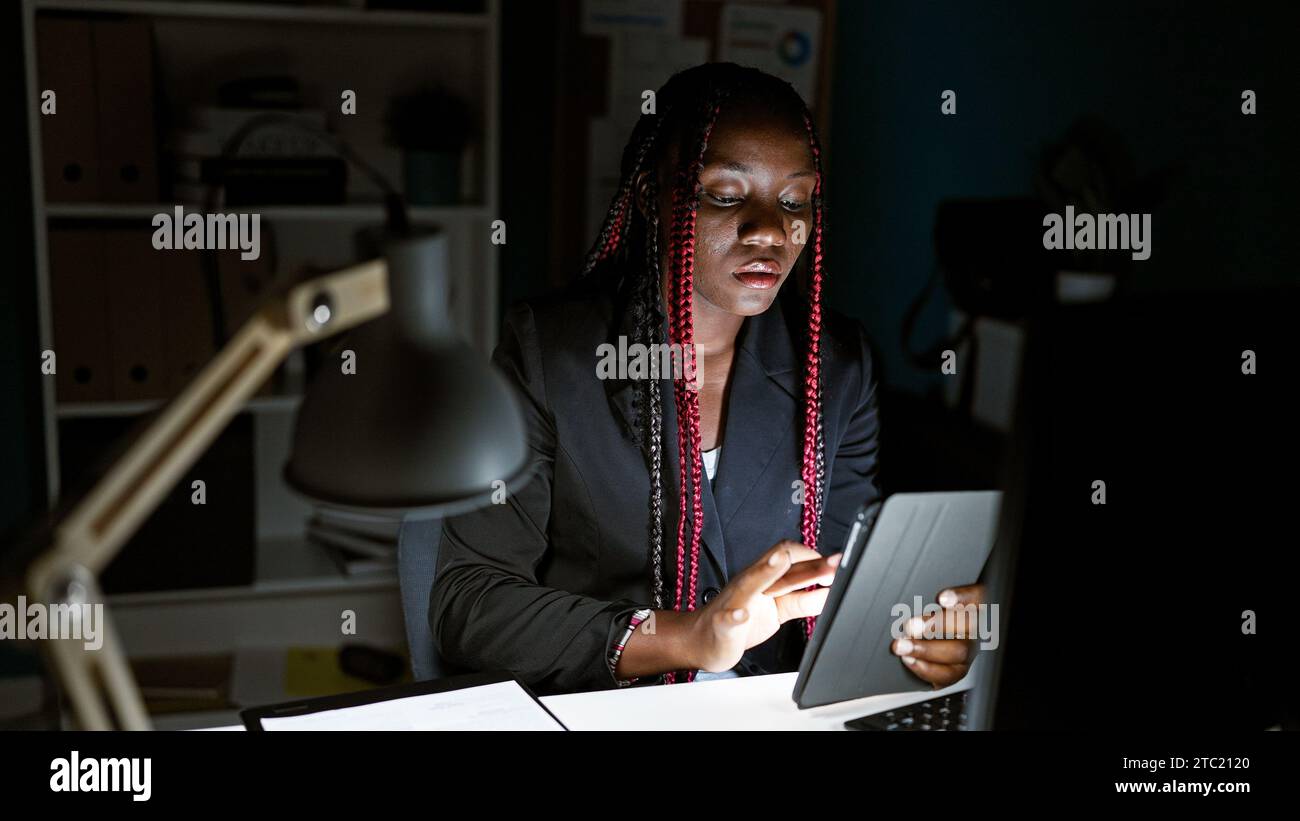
x: 1162, y: 597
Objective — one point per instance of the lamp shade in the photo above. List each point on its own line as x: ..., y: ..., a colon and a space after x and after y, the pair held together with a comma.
x: 402, y: 415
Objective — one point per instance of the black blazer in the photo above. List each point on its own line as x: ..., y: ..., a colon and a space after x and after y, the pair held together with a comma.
x: 542, y: 584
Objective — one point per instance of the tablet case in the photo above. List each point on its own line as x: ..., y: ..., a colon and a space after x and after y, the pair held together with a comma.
x: 915, y: 544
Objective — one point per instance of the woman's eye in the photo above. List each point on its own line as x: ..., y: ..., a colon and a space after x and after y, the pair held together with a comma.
x: 723, y: 200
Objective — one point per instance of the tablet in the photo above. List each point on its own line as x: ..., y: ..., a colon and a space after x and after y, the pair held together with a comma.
x: 479, y: 701
x: 911, y: 546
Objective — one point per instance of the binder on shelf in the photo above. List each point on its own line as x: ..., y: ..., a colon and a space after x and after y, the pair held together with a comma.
x: 132, y: 269
x: 69, y: 146
x: 79, y: 293
x: 188, y: 339
x: 244, y: 284
x: 128, y: 150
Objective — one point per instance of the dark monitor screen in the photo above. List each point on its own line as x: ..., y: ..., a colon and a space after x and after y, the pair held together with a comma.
x: 1170, y: 603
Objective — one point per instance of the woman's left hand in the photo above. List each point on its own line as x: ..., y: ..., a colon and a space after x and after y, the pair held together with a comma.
x: 942, y: 661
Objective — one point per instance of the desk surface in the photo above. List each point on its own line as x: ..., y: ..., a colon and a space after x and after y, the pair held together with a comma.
x: 746, y: 703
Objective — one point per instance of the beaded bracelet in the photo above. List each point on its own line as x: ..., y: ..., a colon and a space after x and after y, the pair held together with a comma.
x: 617, y: 650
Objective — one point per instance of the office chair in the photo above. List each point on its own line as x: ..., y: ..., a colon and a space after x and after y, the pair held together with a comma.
x: 417, y: 562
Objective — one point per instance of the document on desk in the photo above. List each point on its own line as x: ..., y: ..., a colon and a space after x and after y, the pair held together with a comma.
x: 502, y: 705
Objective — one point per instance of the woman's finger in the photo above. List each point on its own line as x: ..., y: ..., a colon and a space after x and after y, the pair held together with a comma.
x: 940, y: 675
x: 771, y: 566
x: 799, y: 552
x: 969, y: 594
x: 960, y: 622
x: 801, y: 603
x: 940, y: 651
x: 804, y: 574
x: 760, y: 575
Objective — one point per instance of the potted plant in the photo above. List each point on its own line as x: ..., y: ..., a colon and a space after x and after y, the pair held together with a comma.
x: 432, y: 127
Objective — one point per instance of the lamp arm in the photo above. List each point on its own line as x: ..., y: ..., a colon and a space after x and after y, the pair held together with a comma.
x: 96, y: 528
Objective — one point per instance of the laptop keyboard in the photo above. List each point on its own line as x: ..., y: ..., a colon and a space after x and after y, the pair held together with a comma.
x: 943, y: 713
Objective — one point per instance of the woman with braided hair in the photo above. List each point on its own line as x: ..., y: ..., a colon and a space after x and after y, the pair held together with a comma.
x: 678, y: 522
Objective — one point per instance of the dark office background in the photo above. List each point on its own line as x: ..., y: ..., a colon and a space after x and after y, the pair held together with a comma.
x: 1161, y: 82
x: 1165, y: 77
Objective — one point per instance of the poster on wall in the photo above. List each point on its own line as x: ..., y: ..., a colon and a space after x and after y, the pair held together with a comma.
x: 606, y: 17
x: 781, y: 40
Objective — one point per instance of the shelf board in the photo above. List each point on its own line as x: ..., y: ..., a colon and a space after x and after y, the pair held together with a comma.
x: 352, y: 212
x: 285, y: 566
x: 272, y: 12
x: 99, y: 410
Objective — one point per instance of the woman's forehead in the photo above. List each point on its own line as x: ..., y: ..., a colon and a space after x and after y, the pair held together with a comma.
x: 753, y: 133
x: 749, y: 137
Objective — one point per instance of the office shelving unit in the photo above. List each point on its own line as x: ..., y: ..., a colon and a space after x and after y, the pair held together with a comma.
x: 298, y: 593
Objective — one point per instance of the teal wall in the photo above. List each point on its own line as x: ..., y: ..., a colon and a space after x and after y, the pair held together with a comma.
x: 1167, y: 76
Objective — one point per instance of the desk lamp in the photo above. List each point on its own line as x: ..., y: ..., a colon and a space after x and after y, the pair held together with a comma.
x: 422, y: 425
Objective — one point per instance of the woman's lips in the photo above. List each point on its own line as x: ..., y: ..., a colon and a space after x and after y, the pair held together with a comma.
x: 757, y: 279
x: 760, y: 273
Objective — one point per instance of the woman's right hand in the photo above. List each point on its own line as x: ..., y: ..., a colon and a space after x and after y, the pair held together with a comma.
x: 757, y: 601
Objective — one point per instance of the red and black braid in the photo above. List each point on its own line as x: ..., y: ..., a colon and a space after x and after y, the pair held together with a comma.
x: 814, y: 463
x: 686, y: 197
x: 614, y: 227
